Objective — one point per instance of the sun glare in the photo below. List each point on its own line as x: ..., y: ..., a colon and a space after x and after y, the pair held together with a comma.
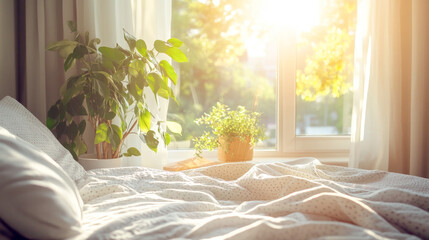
x: 299, y: 14
x: 278, y: 15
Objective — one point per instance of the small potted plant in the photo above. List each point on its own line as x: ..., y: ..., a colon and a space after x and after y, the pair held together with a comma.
x: 233, y: 132
x: 107, y: 93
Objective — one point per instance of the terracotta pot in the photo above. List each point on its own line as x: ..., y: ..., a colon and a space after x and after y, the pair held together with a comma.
x: 90, y: 161
x: 235, y: 151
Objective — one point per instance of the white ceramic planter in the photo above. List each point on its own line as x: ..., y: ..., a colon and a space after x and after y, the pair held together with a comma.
x: 90, y: 161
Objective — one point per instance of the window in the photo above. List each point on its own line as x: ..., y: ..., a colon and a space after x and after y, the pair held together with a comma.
x: 290, y: 60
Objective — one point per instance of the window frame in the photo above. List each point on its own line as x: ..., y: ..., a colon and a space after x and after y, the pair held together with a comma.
x: 289, y: 145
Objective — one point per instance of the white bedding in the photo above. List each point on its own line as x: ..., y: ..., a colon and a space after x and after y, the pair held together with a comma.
x: 246, y: 201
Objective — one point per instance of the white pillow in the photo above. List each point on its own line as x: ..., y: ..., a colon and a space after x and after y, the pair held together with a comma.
x: 20, y: 122
x: 37, y: 198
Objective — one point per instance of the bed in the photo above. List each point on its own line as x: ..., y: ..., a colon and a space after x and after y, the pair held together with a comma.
x: 299, y: 199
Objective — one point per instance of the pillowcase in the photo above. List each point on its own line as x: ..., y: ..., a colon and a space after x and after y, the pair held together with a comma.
x: 20, y: 122
x: 37, y: 198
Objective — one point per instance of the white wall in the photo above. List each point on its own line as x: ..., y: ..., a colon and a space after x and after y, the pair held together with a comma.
x: 7, y: 49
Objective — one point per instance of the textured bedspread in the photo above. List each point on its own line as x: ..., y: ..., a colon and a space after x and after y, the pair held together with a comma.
x: 246, y: 201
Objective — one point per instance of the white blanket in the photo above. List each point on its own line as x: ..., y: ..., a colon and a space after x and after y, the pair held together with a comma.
x: 246, y: 201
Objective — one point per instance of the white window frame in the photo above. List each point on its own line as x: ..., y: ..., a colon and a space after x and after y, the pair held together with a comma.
x: 288, y: 144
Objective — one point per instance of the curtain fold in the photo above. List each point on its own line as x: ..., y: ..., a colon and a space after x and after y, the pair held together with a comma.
x: 42, y: 71
x: 390, y: 121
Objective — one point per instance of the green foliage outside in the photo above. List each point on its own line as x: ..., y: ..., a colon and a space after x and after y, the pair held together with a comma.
x: 326, y: 72
x: 325, y: 66
x: 215, y: 35
x: 329, y: 52
x: 222, y: 121
x: 109, y: 84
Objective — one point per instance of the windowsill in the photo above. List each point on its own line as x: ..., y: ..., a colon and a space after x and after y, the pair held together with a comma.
x: 342, y: 160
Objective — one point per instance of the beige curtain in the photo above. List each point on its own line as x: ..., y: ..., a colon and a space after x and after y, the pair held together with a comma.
x: 41, y: 72
x: 390, y: 125
x: 8, y: 44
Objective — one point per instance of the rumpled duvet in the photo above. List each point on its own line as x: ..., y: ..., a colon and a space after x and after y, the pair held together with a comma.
x: 303, y: 199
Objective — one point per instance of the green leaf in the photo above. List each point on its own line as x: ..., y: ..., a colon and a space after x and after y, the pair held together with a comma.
x: 176, y: 54
x: 133, y: 91
x: 109, y: 116
x: 141, y: 47
x: 75, y: 106
x: 151, y: 140
x: 65, y: 51
x: 124, y: 126
x: 72, y: 130
x: 113, y: 54
x: 174, y: 127
x: 110, y: 56
x: 72, y: 26
x: 140, y: 81
x: 72, y: 88
x: 119, y: 75
x: 51, y: 123
x: 54, y: 112
x: 79, y: 51
x: 167, y: 139
x: 101, y: 133
x: 118, y: 131
x: 161, y: 46
x: 169, y: 70
x: 131, y: 40
x: 101, y: 87
x: 132, y: 151
x: 163, y: 93
x: 154, y: 81
x: 103, y: 74
x: 135, y: 67
x: 175, y: 42
x: 82, y: 126
x: 60, y: 128
x: 145, y: 121
x: 115, y: 136
x: 69, y: 62
x: 55, y: 46
x: 164, y: 90
x: 80, y: 147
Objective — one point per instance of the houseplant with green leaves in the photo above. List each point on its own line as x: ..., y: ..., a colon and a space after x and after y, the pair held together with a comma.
x: 107, y: 93
x: 233, y: 132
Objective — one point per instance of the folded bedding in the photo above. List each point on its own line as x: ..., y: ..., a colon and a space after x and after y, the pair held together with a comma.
x: 307, y: 200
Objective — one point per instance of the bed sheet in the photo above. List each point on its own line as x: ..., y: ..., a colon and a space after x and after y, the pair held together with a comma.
x: 306, y: 200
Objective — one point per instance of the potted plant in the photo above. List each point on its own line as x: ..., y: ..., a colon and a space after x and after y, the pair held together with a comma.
x: 107, y: 93
x: 233, y: 132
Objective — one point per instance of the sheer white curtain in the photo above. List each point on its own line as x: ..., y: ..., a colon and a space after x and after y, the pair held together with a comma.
x: 152, y: 21
x: 390, y: 126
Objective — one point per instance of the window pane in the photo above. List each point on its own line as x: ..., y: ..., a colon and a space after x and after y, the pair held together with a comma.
x: 325, y: 68
x: 232, y: 59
